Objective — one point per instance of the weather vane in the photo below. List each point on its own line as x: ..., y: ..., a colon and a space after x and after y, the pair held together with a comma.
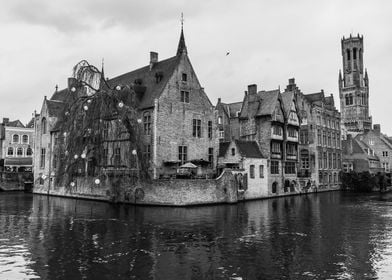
x: 182, y: 20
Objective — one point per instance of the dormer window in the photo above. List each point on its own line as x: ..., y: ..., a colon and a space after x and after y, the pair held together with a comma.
x: 184, y: 77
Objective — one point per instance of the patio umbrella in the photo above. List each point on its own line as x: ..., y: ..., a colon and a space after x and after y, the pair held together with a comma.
x: 188, y: 165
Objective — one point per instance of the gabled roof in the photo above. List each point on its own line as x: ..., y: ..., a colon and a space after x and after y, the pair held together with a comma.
x: 287, y: 98
x: 314, y: 97
x: 55, y: 107
x: 16, y: 123
x: 61, y: 95
x: 269, y: 100
x: 249, y: 149
x: 231, y: 109
x: 149, y: 78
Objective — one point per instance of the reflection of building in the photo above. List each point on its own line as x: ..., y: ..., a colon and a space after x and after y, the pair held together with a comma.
x: 249, y: 165
x: 16, y: 142
x: 354, y: 87
x: 319, y: 141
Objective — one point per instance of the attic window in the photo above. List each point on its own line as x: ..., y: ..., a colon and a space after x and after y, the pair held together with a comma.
x: 184, y: 77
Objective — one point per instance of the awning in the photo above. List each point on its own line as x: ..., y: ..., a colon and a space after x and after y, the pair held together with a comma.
x: 18, y: 161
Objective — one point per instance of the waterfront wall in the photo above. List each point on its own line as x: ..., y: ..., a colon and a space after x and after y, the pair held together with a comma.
x: 176, y: 192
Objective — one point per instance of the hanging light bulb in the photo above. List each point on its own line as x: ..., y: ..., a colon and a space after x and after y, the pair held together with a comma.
x: 83, y: 156
x: 72, y: 184
x: 120, y: 104
x: 118, y: 87
x: 134, y: 152
x: 85, y: 107
x: 97, y: 181
x: 43, y: 176
x: 89, y: 101
x: 73, y: 89
x: 65, y: 134
x: 139, y: 120
x: 76, y: 156
x: 66, y: 153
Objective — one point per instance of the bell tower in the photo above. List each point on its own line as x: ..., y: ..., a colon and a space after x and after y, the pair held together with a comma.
x: 354, y: 86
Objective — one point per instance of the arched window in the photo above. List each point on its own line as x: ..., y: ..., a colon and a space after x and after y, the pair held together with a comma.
x: 147, y: 123
x: 233, y: 151
x: 10, y: 151
x: 15, y: 138
x: 274, y: 187
x: 219, y: 120
x: 355, y: 53
x: 25, y: 139
x: 29, y: 152
x: 43, y: 126
x: 19, y: 152
x: 348, y: 54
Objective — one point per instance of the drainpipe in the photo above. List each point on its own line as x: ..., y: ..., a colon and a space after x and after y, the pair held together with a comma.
x: 155, y: 139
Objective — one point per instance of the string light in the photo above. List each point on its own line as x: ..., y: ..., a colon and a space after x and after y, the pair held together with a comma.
x: 97, y: 181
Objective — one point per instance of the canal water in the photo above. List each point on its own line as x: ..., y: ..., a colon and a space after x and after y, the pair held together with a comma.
x: 319, y: 236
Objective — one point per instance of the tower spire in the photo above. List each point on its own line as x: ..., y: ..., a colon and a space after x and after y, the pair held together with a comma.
x: 181, y: 44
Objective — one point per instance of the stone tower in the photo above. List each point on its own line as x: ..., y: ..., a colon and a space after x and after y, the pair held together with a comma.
x: 354, y: 87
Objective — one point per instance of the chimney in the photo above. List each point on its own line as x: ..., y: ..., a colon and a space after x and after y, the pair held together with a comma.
x: 377, y: 128
x: 153, y: 59
x: 219, y: 100
x: 252, y: 89
x: 292, y: 81
x: 6, y: 121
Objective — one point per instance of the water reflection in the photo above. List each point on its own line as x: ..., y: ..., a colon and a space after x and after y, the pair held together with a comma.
x: 330, y: 235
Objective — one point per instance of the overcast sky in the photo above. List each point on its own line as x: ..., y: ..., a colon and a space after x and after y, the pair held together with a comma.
x: 269, y: 42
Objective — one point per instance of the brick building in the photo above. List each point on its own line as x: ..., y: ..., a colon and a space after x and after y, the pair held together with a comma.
x: 228, y: 120
x: 358, y: 156
x: 16, y: 142
x: 319, y: 139
x: 368, y: 151
x: 177, y: 119
x: 354, y: 87
x: 248, y: 164
x: 273, y: 122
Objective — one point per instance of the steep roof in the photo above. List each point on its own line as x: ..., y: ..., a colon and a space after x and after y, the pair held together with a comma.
x: 268, y: 102
x: 231, y: 109
x: 287, y: 98
x: 314, y: 97
x: 55, y: 107
x: 16, y: 123
x: 249, y: 149
x: 149, y: 78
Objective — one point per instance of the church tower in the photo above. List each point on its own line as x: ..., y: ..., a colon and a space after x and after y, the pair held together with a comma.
x: 354, y: 87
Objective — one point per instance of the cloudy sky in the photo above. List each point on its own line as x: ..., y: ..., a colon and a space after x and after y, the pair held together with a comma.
x: 269, y: 42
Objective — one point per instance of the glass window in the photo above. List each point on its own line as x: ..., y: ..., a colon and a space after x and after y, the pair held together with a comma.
x: 289, y: 168
x: 185, y: 96
x: 274, y: 187
x: 147, y: 123
x: 42, y: 158
x: 25, y: 139
x: 209, y: 129
x: 117, y: 157
x: 261, y: 171
x: 182, y: 154
x: 252, y: 171
x: 211, y: 156
x: 19, y: 152
x: 274, y: 167
x: 29, y: 152
x: 43, y: 126
x: 10, y: 151
x: 196, y: 128
x: 15, y: 138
